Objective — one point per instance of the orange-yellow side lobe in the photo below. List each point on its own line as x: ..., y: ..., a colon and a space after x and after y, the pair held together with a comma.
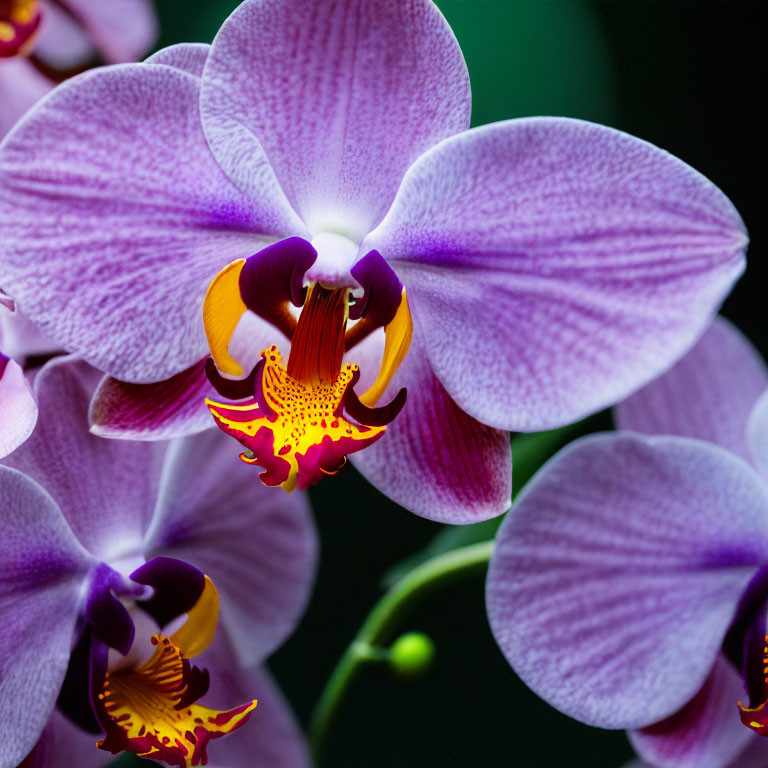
x: 153, y: 714
x: 296, y: 430
x: 397, y: 341
x: 195, y: 635
x: 222, y: 310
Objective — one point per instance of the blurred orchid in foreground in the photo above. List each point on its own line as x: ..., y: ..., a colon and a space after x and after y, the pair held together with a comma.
x: 114, y: 557
x: 317, y: 155
x: 629, y: 586
x: 43, y: 41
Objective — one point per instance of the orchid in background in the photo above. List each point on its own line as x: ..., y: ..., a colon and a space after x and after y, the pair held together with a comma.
x: 18, y: 410
x: 114, y: 559
x: 629, y: 585
x: 43, y: 41
x: 307, y: 192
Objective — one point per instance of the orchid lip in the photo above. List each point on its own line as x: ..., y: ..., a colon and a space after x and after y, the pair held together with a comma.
x: 19, y: 24
x: 145, y: 699
x: 292, y: 422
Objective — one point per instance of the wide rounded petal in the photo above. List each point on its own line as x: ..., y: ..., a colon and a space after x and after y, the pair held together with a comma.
x: 122, y: 30
x: 706, y: 733
x: 106, y: 488
x: 257, y: 544
x: 618, y: 572
x: 21, y: 85
x: 18, y: 410
x: 340, y: 95
x: 557, y: 265
x: 42, y: 568
x: 709, y: 394
x: 188, y: 57
x: 271, y: 738
x: 114, y: 217
x: 434, y: 459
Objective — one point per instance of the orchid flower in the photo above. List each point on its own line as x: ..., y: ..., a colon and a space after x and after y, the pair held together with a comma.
x: 629, y: 584
x: 42, y: 40
x: 303, y: 201
x: 115, y: 560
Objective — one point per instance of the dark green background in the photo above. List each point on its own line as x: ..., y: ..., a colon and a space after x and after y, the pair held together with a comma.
x: 688, y: 76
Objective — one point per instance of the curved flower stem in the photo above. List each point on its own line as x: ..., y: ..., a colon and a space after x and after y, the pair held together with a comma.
x: 381, y: 625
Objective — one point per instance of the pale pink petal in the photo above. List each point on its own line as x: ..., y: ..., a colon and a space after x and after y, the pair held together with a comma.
x: 18, y: 410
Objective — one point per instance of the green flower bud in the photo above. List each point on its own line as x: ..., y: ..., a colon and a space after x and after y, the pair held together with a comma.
x: 411, y: 654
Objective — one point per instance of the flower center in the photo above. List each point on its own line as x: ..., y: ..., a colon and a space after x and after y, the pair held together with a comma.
x: 19, y: 21
x: 294, y: 423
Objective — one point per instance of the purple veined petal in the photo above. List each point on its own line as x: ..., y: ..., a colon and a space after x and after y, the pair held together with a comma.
x: 618, y: 571
x: 434, y: 459
x: 271, y: 738
x: 18, y: 410
x: 42, y: 569
x: 106, y: 488
x: 188, y: 57
x: 21, y: 85
x: 165, y: 410
x: 709, y: 394
x: 557, y: 265
x: 62, y: 42
x: 706, y: 733
x: 174, y: 407
x: 258, y: 546
x: 21, y: 338
x: 61, y: 743
x: 757, y: 435
x: 112, y: 234
x: 341, y: 95
x: 122, y: 30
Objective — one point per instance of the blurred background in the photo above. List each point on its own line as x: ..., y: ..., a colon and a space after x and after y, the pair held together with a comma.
x: 689, y: 76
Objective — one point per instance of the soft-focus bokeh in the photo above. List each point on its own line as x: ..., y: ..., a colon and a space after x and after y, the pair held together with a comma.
x: 688, y: 76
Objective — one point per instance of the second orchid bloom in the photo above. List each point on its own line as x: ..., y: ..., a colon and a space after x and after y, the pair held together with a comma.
x: 629, y: 586
x: 120, y: 562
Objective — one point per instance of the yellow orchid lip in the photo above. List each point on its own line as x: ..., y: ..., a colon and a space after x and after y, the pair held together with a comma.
x: 294, y: 422
x: 151, y: 710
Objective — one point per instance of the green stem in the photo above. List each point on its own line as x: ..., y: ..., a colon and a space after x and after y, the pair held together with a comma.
x: 381, y: 625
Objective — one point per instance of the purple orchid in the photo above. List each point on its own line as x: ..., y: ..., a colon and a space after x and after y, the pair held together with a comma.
x: 114, y: 559
x: 629, y: 585
x: 44, y: 39
x: 517, y: 276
